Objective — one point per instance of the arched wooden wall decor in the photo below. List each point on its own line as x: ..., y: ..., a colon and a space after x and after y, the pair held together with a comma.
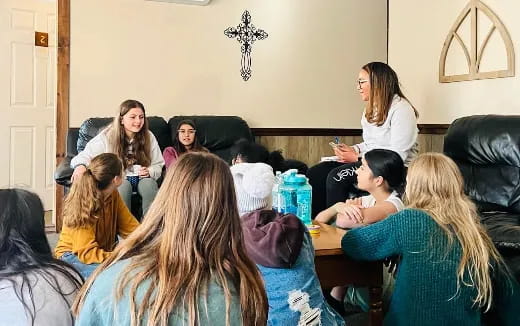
x: 474, y: 54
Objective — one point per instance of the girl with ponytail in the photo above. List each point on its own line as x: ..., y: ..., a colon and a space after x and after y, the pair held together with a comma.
x: 93, y: 215
x: 186, y: 264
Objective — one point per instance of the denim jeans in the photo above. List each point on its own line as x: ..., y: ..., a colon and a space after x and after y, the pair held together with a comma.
x: 84, y: 269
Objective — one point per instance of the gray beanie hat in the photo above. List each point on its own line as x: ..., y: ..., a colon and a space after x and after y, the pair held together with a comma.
x: 253, y: 186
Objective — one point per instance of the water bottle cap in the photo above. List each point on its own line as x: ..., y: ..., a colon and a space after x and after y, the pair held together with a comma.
x: 295, y: 178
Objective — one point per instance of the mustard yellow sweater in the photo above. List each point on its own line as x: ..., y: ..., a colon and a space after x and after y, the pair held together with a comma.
x: 93, y: 244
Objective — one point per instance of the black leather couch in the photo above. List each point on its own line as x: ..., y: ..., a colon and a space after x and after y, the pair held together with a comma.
x: 487, y: 150
x: 216, y: 133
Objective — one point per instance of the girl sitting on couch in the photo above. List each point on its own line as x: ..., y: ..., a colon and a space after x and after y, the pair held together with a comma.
x: 185, y: 141
x: 129, y: 138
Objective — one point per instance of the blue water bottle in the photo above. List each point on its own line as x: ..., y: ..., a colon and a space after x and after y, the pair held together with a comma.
x: 304, y: 195
x: 288, y: 192
x: 297, y: 192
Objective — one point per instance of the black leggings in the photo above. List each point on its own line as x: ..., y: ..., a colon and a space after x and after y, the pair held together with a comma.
x: 332, y: 182
x: 317, y: 179
x: 341, y: 183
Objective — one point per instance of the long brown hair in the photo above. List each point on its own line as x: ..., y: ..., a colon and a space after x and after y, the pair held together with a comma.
x: 435, y: 185
x: 384, y: 85
x: 86, y: 198
x: 190, y: 236
x: 118, y: 140
x: 195, y: 147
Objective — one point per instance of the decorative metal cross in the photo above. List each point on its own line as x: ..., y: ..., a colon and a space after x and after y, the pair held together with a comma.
x: 246, y: 33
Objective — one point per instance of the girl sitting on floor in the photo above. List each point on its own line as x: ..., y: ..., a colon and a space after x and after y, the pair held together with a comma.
x: 382, y: 175
x: 449, y: 270
x: 282, y: 248
x: 186, y: 264
x: 94, y: 215
x: 35, y: 288
x: 244, y: 151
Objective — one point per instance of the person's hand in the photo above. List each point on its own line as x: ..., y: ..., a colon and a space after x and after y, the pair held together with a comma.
x: 144, y: 172
x: 345, y: 153
x: 339, y: 207
x: 78, y: 172
x: 391, y: 263
x: 354, y: 213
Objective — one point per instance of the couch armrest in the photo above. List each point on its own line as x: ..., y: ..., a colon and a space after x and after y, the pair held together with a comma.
x: 64, y: 172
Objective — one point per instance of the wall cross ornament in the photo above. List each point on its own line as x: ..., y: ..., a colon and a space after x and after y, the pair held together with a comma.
x: 246, y: 34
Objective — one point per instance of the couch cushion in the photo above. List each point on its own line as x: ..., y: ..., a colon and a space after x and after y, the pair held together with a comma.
x: 91, y: 127
x: 216, y: 133
x: 485, y: 140
x: 487, y: 150
x: 503, y: 228
x: 159, y: 128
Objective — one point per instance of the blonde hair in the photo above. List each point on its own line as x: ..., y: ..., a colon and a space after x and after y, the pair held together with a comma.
x: 86, y: 198
x: 384, y: 85
x: 435, y: 185
x: 117, y: 137
x: 190, y: 237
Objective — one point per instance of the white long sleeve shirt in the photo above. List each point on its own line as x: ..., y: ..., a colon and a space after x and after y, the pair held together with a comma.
x: 398, y: 133
x: 99, y: 144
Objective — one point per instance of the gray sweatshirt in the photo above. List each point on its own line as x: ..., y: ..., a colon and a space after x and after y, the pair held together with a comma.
x: 99, y: 145
x: 51, y: 308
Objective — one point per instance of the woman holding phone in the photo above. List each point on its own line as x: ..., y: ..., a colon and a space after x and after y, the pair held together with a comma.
x: 392, y: 127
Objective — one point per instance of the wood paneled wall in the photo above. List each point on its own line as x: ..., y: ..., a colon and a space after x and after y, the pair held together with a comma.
x: 310, y: 149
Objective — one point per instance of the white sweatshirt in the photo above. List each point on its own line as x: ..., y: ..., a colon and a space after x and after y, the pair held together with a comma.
x: 99, y: 145
x: 398, y: 133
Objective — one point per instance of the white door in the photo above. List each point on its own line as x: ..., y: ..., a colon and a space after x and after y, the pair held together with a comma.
x: 27, y: 97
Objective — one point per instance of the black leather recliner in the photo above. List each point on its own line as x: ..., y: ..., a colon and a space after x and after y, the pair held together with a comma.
x: 487, y: 150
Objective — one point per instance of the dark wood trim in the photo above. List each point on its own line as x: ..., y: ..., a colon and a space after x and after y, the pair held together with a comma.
x: 305, y: 132
x: 62, y: 104
x: 433, y: 129
x: 429, y: 129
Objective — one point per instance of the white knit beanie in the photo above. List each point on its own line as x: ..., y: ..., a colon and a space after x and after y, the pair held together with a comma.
x: 253, y: 186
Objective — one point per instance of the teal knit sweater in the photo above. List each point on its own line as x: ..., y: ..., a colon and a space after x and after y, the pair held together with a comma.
x: 426, y: 287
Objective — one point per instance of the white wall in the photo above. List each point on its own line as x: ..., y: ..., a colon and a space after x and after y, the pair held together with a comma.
x: 417, y: 30
x: 176, y: 59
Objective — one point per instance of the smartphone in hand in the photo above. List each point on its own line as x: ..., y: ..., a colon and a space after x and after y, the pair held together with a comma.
x: 335, y: 143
